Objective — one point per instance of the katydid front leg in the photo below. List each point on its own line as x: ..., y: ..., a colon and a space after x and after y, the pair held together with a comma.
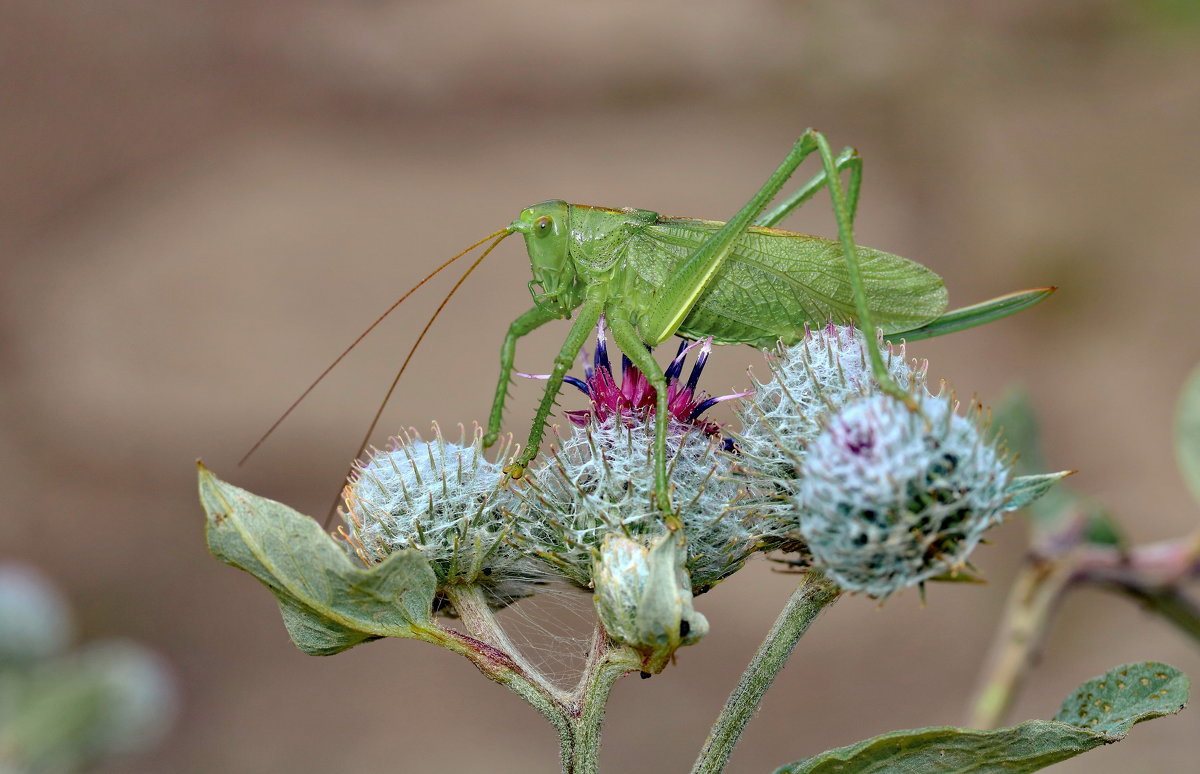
x: 526, y: 323
x: 588, y: 316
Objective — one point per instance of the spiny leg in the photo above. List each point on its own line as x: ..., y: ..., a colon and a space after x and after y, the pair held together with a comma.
x: 844, y: 214
x: 588, y: 315
x: 634, y: 348
x: 526, y: 323
x: 847, y: 159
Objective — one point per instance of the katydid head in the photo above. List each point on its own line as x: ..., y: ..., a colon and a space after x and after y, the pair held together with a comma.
x: 546, y: 231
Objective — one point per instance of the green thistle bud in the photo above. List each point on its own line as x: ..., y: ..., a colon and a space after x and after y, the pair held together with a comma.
x: 644, y: 597
x: 889, y: 497
x: 446, y: 500
x: 826, y: 369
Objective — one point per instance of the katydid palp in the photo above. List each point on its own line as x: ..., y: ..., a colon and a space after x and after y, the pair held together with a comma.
x: 741, y: 281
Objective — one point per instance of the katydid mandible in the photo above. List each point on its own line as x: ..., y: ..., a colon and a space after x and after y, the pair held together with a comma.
x: 737, y: 282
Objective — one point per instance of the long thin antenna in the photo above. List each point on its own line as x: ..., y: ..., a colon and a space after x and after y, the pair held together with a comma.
x: 403, y: 366
x: 354, y: 344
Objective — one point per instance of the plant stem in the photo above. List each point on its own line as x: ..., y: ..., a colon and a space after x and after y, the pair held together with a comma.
x: 576, y: 715
x: 494, y: 653
x: 813, y: 595
x: 607, y: 663
x: 1034, y: 596
x: 497, y: 665
x: 1151, y: 574
x: 480, y: 620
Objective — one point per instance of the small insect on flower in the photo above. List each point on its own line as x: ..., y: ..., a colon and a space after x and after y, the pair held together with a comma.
x: 599, y: 480
x: 446, y: 500
x: 889, y: 497
x: 819, y: 374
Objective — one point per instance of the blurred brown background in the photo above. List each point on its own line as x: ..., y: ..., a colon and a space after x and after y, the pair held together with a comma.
x: 202, y: 202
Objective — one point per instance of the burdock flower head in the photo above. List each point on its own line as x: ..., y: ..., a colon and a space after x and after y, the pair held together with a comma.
x: 889, y: 497
x: 446, y: 500
x: 600, y: 478
x: 822, y: 372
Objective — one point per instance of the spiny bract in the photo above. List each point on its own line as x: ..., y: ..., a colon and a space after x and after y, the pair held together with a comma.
x: 821, y: 373
x: 889, y: 497
x: 446, y: 500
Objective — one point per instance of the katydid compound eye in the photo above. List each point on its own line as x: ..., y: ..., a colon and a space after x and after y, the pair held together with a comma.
x: 543, y: 225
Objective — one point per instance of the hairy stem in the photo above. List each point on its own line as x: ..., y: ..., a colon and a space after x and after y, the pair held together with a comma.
x: 497, y: 665
x: 813, y: 595
x: 480, y: 620
x: 607, y: 663
x: 577, y: 715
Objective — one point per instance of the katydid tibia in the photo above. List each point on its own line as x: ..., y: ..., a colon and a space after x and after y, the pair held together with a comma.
x: 741, y: 281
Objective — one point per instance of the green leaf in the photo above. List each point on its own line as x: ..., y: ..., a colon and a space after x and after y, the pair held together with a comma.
x: 1187, y: 433
x: 1101, y: 711
x: 328, y: 603
x: 975, y: 315
x: 1112, y: 703
x: 1022, y: 491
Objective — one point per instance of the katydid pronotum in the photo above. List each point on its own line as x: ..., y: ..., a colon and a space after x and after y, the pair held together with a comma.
x: 741, y: 281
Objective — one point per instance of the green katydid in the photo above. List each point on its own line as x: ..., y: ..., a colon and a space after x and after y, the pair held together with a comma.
x: 736, y: 282
x: 742, y: 281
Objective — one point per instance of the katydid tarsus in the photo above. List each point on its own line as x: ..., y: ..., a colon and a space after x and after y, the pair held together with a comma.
x: 741, y: 281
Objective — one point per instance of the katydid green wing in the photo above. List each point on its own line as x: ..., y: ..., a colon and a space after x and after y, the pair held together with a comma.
x: 777, y: 281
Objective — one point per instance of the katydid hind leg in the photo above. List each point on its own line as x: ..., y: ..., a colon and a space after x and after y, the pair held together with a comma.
x: 847, y: 159
x: 844, y: 214
x: 687, y: 283
x: 627, y: 339
x: 588, y: 316
x: 523, y: 325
